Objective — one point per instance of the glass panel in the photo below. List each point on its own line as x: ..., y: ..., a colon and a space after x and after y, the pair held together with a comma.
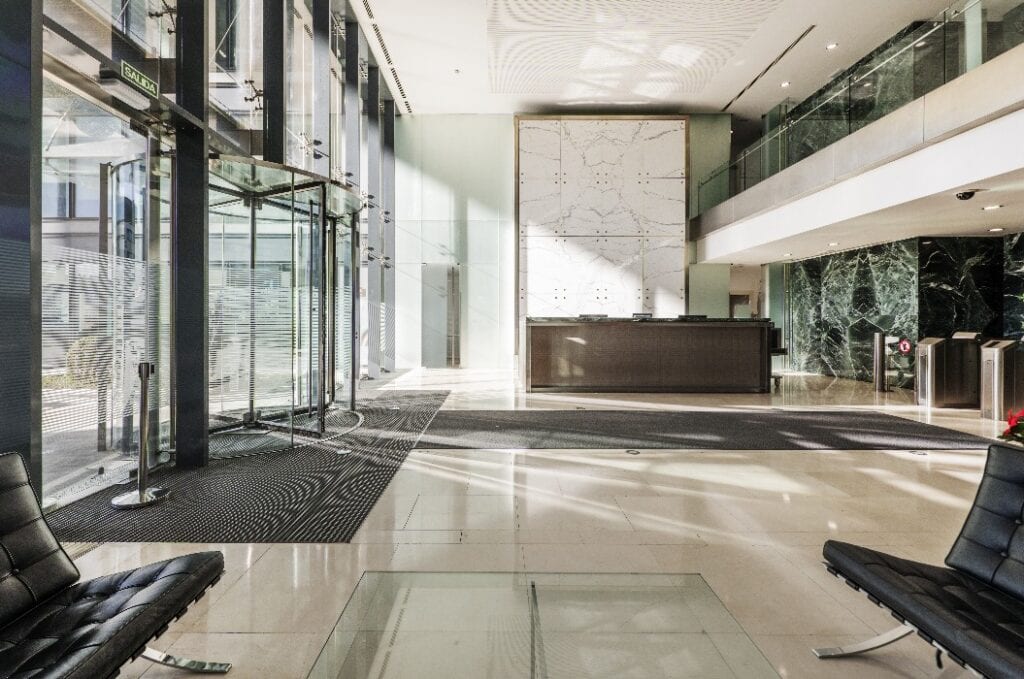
x: 343, y: 314
x: 525, y: 625
x: 308, y: 258
x: 138, y: 32
x: 105, y: 294
x: 236, y: 62
x: 299, y: 113
x: 250, y: 320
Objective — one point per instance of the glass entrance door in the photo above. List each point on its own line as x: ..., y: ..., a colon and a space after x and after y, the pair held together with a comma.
x: 278, y: 296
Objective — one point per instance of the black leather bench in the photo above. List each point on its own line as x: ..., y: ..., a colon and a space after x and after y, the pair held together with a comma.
x: 52, y: 626
x: 971, y: 610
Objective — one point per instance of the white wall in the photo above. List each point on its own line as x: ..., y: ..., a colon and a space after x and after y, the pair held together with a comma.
x: 455, y: 205
x: 709, y: 290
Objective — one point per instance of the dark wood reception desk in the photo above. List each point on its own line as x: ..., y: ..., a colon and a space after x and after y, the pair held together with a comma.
x: 656, y: 355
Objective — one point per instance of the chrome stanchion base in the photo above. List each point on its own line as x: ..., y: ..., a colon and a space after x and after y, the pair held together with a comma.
x: 134, y: 498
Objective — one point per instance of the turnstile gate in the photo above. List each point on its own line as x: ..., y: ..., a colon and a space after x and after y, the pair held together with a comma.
x: 949, y: 370
x: 1002, y: 378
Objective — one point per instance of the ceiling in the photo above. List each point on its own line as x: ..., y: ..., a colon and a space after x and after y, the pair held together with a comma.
x: 940, y: 214
x: 513, y: 56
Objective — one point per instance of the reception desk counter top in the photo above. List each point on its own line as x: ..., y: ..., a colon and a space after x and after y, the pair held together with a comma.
x: 687, y: 354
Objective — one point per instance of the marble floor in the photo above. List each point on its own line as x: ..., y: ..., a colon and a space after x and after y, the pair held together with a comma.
x: 751, y: 522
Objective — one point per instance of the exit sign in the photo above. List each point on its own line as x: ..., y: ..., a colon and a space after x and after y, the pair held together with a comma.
x: 139, y: 79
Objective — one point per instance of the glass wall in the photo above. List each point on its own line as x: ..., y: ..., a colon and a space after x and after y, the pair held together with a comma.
x: 236, y: 62
x: 922, y: 57
x: 299, y: 86
x: 105, y: 292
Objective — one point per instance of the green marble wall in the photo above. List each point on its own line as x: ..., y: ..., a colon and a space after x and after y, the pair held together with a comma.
x: 928, y: 287
x: 1013, y: 286
x: 837, y: 304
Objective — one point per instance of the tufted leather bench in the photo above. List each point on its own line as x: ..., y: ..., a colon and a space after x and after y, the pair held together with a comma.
x: 52, y: 626
x: 973, y: 609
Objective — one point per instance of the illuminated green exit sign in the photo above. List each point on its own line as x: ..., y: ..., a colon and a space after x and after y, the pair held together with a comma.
x: 139, y: 79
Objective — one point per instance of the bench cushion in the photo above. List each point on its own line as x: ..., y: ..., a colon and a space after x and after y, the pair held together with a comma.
x: 33, y: 566
x: 90, y: 630
x: 978, y: 623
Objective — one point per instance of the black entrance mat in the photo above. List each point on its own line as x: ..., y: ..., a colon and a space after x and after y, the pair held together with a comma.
x: 692, y: 430
x: 314, y: 493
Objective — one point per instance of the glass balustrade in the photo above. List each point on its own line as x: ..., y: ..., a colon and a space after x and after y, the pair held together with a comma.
x: 922, y: 57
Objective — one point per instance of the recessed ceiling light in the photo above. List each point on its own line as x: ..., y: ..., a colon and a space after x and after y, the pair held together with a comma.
x: 833, y: 245
x: 991, y: 207
x: 921, y: 44
x: 457, y: 71
x: 996, y: 230
x: 785, y: 84
x: 787, y: 254
x: 831, y: 46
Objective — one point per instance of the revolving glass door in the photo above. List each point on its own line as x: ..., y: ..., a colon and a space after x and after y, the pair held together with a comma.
x: 272, y: 318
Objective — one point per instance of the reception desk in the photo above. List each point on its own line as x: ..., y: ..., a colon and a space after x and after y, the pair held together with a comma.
x: 654, y: 355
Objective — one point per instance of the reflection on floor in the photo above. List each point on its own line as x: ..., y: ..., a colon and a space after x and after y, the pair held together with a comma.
x: 751, y: 523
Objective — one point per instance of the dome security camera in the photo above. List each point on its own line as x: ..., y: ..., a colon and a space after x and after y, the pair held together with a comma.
x: 965, y: 195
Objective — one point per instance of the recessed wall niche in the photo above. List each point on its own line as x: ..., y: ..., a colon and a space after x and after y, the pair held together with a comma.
x: 601, y: 215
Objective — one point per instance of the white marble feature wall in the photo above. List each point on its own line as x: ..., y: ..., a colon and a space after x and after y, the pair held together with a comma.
x: 602, y: 216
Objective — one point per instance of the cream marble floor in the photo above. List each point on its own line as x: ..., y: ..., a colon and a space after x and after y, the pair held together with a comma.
x: 751, y: 522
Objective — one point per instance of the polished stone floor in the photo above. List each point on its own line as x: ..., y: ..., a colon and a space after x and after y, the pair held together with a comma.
x: 750, y: 522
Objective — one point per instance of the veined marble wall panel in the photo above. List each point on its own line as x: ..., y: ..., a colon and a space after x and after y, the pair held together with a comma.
x: 662, y: 207
x: 580, y: 275
x: 664, y: 276
x: 1013, y: 286
x: 961, y: 281
x: 540, y: 143
x: 664, y: 148
x: 617, y: 181
x: 838, y: 302
x: 540, y: 206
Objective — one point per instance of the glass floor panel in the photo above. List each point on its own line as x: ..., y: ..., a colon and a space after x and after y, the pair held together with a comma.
x: 543, y: 626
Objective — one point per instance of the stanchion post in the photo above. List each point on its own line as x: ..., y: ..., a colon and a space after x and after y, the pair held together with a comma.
x: 144, y: 495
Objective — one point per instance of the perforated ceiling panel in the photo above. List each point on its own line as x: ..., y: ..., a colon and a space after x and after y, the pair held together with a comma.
x: 614, y: 51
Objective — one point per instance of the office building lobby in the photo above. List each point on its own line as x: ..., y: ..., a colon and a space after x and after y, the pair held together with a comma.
x: 510, y: 339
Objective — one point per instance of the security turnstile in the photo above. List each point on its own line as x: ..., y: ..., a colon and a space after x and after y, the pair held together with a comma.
x: 949, y: 371
x: 1002, y: 378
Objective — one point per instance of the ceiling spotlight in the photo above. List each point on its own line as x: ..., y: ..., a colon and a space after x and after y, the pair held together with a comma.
x: 991, y: 207
x: 787, y: 254
x: 785, y: 84
x: 996, y: 230
x: 831, y: 46
x: 833, y: 245
x: 921, y: 44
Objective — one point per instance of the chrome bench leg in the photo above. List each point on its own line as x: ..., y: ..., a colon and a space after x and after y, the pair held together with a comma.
x: 881, y: 640
x: 196, y: 666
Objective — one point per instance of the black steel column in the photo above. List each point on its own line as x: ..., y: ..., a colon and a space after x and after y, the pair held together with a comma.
x: 189, y: 239
x: 274, y: 27
x: 353, y: 54
x: 375, y: 251
x: 21, y: 117
x: 322, y: 87
x: 387, y: 206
